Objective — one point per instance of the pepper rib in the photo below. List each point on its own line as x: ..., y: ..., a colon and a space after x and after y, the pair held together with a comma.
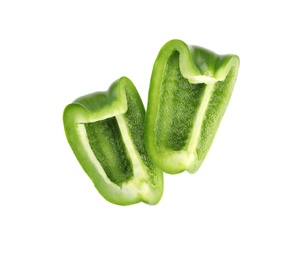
x: 138, y: 166
x: 196, y: 129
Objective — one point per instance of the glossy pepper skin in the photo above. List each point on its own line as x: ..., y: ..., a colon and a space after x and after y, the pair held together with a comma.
x: 106, y: 133
x: 189, y: 92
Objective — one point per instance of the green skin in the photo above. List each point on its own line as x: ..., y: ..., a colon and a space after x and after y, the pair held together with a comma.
x: 189, y: 92
x: 106, y: 133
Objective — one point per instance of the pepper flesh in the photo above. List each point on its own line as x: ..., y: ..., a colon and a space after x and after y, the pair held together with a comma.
x: 189, y: 92
x: 106, y: 133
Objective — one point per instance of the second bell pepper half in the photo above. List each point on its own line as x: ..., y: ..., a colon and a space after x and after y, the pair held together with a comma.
x: 189, y: 92
x: 105, y: 131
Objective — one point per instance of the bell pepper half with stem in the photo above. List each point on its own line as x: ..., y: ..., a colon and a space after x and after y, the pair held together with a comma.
x: 106, y: 133
x: 189, y: 92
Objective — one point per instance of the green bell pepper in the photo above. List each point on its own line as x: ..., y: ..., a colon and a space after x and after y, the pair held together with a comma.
x: 106, y: 133
x: 189, y: 91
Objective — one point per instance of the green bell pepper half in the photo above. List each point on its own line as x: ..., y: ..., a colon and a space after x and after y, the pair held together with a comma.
x: 106, y: 133
x: 189, y: 92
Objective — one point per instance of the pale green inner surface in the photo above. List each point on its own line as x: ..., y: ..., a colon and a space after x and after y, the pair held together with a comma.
x: 118, y: 145
x: 214, y: 112
x: 178, y: 107
x: 106, y: 142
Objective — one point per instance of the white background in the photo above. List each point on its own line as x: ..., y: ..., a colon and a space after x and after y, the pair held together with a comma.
x: 243, y: 203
